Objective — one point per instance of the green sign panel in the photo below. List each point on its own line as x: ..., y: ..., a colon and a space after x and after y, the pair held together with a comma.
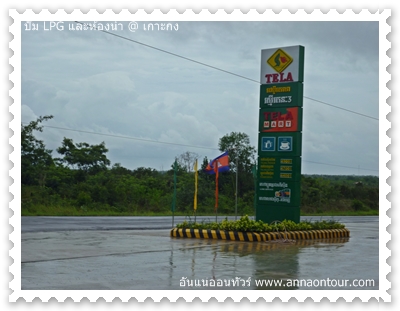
x: 283, y: 119
x: 268, y: 213
x: 281, y: 95
x: 279, y: 168
x: 278, y: 193
x: 279, y: 144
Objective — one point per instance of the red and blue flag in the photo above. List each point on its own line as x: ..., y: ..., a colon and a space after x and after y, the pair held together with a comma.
x: 220, y: 163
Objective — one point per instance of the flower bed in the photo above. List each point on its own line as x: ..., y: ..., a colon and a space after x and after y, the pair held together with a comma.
x: 246, y: 229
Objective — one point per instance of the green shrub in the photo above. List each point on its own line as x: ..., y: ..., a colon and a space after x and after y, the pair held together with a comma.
x: 245, y: 224
x: 357, y: 205
x: 83, y: 198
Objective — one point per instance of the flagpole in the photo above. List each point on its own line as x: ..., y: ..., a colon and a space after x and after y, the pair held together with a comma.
x: 255, y: 190
x: 174, y: 196
x: 216, y: 168
x: 236, y: 194
x: 195, y: 190
x: 221, y: 162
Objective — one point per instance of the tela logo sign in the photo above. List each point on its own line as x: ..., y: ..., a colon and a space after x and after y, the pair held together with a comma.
x: 280, y: 60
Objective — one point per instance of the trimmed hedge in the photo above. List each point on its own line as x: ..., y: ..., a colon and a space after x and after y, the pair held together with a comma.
x: 245, y: 224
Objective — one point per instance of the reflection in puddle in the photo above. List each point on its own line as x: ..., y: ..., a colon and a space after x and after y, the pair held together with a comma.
x: 255, y: 265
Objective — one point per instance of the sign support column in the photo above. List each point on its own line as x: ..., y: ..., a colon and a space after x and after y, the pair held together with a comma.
x: 280, y: 134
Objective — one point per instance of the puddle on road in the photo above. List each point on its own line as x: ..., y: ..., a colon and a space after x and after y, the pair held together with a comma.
x: 127, y: 261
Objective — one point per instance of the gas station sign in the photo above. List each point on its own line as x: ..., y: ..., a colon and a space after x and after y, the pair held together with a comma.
x: 287, y: 119
x: 279, y: 168
x: 281, y: 95
x: 280, y: 138
x: 282, y: 65
x: 280, y: 144
x: 278, y: 193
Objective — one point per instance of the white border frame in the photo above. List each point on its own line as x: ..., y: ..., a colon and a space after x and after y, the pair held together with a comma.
x: 203, y: 15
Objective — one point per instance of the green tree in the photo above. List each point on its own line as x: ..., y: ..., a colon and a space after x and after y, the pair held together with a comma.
x: 240, y: 151
x: 144, y: 172
x: 118, y: 169
x: 36, y: 160
x: 202, y: 174
x: 242, y: 158
x: 83, y: 156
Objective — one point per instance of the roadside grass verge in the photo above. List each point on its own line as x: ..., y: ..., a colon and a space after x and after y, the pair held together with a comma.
x: 67, y: 210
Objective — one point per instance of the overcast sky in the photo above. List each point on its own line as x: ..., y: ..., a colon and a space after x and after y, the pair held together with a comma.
x: 95, y: 82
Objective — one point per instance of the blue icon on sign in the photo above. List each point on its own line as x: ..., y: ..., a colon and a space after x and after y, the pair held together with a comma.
x: 267, y: 143
x: 285, y: 143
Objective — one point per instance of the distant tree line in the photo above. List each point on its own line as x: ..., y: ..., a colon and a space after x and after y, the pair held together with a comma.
x: 82, y: 181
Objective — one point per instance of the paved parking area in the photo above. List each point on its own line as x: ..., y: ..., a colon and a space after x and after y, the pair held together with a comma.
x: 151, y: 259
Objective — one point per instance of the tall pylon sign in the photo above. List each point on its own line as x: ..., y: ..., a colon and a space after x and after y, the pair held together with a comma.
x: 280, y: 134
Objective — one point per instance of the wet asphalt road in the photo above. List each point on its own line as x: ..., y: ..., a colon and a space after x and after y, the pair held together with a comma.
x: 47, y: 224
x: 109, y: 253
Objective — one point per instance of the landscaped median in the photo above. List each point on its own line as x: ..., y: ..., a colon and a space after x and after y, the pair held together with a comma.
x: 249, y: 230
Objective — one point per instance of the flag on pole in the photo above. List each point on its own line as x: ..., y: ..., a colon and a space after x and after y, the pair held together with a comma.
x: 195, y: 186
x: 221, y: 162
x: 218, y: 165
